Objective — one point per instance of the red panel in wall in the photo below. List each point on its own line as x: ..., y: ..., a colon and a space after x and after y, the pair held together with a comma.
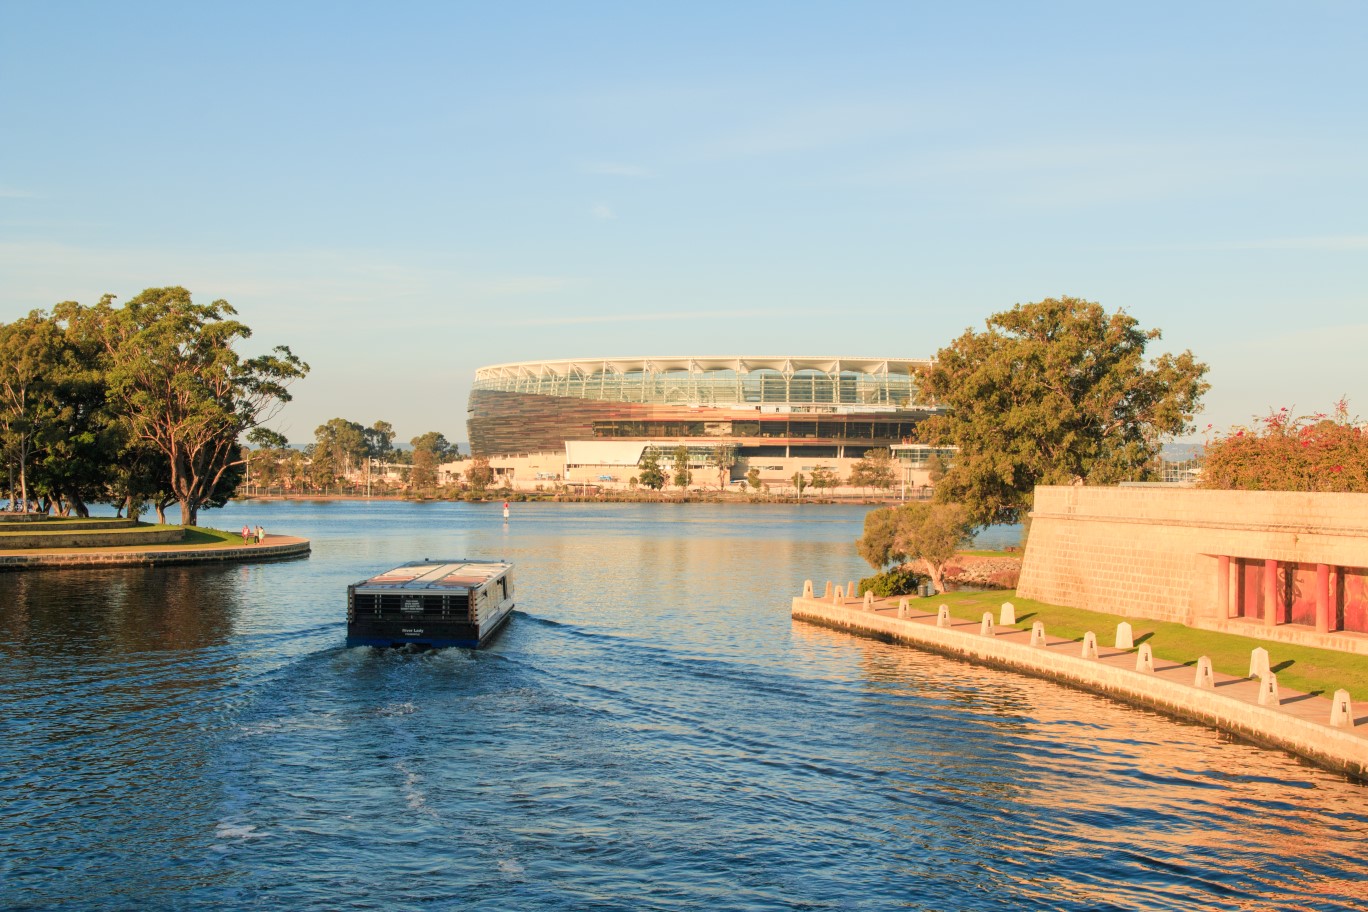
x: 1251, y: 580
x: 1353, y: 598
x: 1297, y: 583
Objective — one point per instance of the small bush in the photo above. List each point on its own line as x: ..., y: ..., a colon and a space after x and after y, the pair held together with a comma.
x: 1005, y: 579
x: 895, y: 582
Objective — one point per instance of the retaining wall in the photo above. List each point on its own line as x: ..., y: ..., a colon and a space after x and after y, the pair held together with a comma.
x: 294, y: 547
x: 90, y: 539
x: 1290, y: 726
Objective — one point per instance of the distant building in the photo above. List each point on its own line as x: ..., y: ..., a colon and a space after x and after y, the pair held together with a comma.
x: 591, y: 421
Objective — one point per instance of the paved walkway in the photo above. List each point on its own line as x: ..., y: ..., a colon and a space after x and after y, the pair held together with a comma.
x: 1299, y: 722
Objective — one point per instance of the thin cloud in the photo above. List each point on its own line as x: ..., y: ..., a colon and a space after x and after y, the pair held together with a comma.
x: 640, y: 318
x: 15, y: 193
x: 617, y: 169
x: 1327, y: 242
x: 602, y: 211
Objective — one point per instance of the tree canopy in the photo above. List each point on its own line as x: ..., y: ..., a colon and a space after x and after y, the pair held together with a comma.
x: 1283, y: 452
x: 133, y: 405
x: 652, y: 475
x: 874, y: 470
x: 927, y: 533
x: 1052, y: 392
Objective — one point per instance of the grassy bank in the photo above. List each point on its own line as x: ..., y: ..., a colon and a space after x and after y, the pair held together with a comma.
x: 1303, y: 668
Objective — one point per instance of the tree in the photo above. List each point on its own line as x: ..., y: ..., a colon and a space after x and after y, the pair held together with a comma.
x: 682, y: 475
x: 824, y: 478
x: 753, y: 478
x: 1321, y: 452
x: 480, y: 475
x: 174, y: 374
x: 930, y: 534
x: 429, y: 451
x: 379, y: 440
x: 722, y: 458
x: 799, y: 483
x: 31, y: 351
x: 1051, y: 392
x: 875, y: 470
x: 435, y: 443
x: 339, y: 447
x: 652, y: 475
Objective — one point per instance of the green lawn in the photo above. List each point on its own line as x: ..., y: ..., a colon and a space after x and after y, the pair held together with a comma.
x: 1298, y: 667
x: 201, y: 535
x: 197, y: 536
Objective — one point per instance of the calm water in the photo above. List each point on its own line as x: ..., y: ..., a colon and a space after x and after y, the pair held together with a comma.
x: 650, y: 732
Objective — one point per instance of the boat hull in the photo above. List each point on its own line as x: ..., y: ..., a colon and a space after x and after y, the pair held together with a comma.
x: 426, y: 633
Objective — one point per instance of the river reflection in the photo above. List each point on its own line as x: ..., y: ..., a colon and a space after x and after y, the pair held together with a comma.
x: 652, y: 731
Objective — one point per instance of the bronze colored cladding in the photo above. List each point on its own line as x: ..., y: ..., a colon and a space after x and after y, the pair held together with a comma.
x: 507, y: 423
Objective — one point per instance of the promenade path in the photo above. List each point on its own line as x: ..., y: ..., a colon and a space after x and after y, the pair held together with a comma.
x: 1298, y: 722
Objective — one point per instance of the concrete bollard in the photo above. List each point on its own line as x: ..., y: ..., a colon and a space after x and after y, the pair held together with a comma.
x: 1268, y: 690
x: 903, y: 610
x: 850, y: 589
x: 838, y: 597
x: 1258, y: 662
x: 869, y: 600
x: 1144, y: 661
x: 1341, y: 710
x: 1007, y: 615
x: 1089, y: 645
x: 827, y: 593
x: 807, y: 588
x: 1205, y: 677
x: 1038, y: 633
x: 943, y: 616
x: 1125, y: 639
x: 986, y: 627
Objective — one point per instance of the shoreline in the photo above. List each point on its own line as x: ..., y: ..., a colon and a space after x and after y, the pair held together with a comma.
x: 283, y: 547
x: 1296, y: 723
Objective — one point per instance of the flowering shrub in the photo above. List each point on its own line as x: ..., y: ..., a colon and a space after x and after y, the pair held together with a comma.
x: 1282, y: 452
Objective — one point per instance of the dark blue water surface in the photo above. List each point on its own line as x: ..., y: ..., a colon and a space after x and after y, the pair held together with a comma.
x: 651, y: 731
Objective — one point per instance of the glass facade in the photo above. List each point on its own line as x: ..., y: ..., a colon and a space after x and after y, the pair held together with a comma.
x: 712, y: 382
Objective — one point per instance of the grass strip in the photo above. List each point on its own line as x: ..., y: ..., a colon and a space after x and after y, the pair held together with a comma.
x: 1304, y: 668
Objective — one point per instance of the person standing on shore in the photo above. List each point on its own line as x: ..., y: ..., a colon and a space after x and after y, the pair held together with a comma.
x: 246, y: 533
x: 260, y: 534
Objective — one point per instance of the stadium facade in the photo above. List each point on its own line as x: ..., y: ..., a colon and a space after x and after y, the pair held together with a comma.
x: 589, y: 421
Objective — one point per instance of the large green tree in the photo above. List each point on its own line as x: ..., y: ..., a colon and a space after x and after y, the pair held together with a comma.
x: 32, y: 351
x: 1053, y: 392
x: 174, y: 373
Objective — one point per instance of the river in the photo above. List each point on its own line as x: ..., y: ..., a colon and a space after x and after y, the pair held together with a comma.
x: 651, y: 731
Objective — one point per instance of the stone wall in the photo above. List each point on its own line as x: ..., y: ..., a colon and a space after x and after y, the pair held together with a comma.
x: 1155, y: 552
x: 90, y: 539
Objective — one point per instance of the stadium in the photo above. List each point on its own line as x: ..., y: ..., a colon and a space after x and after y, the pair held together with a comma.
x: 590, y: 421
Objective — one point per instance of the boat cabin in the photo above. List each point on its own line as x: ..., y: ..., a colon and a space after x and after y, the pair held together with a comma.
x: 431, y: 603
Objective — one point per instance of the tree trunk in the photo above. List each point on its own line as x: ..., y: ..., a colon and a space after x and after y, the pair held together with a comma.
x: 189, y: 513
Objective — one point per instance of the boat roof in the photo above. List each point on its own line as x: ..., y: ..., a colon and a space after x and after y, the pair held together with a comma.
x: 437, y: 574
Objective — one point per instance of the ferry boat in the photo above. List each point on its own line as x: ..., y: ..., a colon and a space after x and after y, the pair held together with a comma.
x: 431, y: 603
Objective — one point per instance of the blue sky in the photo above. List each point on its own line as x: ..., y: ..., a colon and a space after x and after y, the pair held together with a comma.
x: 404, y: 194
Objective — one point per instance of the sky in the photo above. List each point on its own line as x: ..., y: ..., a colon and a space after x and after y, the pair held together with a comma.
x: 405, y: 192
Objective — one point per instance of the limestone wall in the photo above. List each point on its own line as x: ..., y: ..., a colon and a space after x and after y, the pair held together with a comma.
x: 1152, y: 552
